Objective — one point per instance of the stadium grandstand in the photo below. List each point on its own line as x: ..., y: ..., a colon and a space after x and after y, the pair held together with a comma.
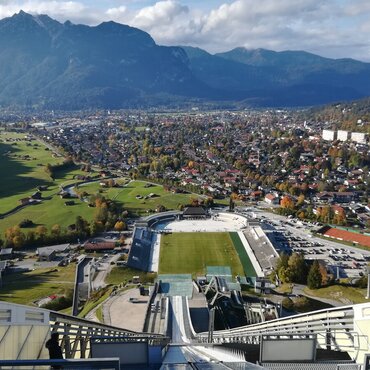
x: 143, y: 240
x: 139, y: 256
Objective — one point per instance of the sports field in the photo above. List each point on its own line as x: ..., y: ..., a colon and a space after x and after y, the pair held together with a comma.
x: 190, y: 253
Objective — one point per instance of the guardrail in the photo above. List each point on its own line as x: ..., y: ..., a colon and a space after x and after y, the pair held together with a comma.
x: 340, y: 328
x: 89, y: 363
x: 36, y: 324
x: 318, y: 322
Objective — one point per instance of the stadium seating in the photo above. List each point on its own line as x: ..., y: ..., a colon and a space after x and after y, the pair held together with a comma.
x: 139, y: 256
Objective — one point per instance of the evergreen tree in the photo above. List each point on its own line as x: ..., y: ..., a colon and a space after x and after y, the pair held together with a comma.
x: 298, y: 268
x: 314, y: 277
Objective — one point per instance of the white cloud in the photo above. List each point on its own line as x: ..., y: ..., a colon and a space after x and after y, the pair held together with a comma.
x: 160, y: 14
x: 118, y: 14
x: 60, y: 9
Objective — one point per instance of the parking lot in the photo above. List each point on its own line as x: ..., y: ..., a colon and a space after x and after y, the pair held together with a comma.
x: 291, y: 235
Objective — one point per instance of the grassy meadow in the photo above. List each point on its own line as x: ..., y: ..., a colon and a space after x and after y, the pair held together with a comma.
x: 127, y: 196
x: 28, y: 287
x: 23, y: 170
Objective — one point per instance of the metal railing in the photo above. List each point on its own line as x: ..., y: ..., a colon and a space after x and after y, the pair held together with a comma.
x: 75, y: 334
x: 90, y: 363
x: 328, y: 325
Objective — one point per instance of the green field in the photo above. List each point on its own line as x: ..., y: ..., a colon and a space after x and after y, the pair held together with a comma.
x: 26, y: 288
x: 341, y: 293
x: 49, y: 213
x: 23, y: 169
x: 122, y: 275
x: 244, y: 259
x: 190, y: 253
x: 20, y: 177
x: 126, y: 196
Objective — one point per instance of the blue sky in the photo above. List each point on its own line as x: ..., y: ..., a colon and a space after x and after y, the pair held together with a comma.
x: 332, y: 28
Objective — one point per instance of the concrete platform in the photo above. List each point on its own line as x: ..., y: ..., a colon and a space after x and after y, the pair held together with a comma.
x: 121, y: 312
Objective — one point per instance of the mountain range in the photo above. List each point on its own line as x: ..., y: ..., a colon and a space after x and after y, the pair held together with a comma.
x: 46, y: 64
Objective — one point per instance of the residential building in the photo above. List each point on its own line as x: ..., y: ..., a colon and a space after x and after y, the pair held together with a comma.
x: 329, y: 135
x: 342, y: 135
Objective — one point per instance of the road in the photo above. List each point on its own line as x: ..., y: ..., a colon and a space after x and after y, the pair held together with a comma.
x: 298, y: 289
x: 104, y: 268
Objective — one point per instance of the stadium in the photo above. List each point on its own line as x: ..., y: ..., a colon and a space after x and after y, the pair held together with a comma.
x: 196, y: 317
x: 179, y: 241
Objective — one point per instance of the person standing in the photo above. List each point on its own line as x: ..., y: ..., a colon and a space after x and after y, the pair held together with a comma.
x: 55, y: 350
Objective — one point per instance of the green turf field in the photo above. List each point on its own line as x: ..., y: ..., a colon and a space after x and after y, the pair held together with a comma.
x: 247, y: 264
x: 190, y: 253
x: 127, y: 194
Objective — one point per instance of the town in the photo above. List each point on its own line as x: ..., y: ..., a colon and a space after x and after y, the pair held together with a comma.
x: 271, y: 156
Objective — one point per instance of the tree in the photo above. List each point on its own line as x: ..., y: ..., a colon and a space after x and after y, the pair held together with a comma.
x: 340, y: 216
x: 14, y: 237
x: 96, y: 227
x: 231, y: 204
x: 19, y: 240
x: 288, y: 304
x: 362, y: 282
x: 324, y: 275
x: 160, y: 208
x: 314, y: 278
x: 111, y: 183
x: 101, y: 213
x: 282, y: 261
x: 194, y: 202
x: 26, y: 223
x: 49, y: 170
x: 208, y: 202
x: 298, y: 268
x: 287, y: 202
x: 30, y: 238
x: 301, y: 215
x: 41, y: 231
x: 55, y: 230
x: 300, y: 200
x: 82, y: 226
x: 324, y: 214
x: 119, y: 226
x: 285, y: 275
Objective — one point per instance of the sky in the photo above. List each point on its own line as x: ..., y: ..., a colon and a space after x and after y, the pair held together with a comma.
x: 331, y: 28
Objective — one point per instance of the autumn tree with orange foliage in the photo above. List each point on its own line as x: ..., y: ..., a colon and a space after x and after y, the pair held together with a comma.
x: 287, y: 202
